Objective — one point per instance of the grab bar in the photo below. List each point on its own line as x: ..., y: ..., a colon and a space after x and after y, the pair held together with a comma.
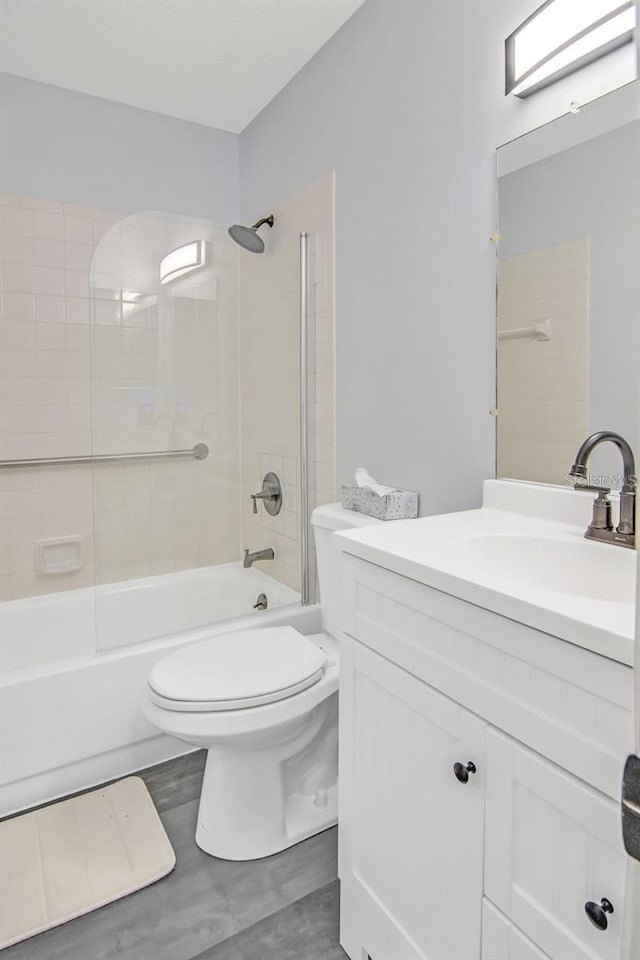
x: 199, y: 452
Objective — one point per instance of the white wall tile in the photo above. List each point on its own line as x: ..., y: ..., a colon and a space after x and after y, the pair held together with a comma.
x: 16, y: 221
x: 17, y: 306
x: 49, y: 280
x: 17, y: 334
x: 77, y: 310
x: 49, y: 309
x: 77, y: 256
x: 76, y: 379
x: 18, y: 249
x: 76, y: 283
x: 77, y: 229
x: 51, y: 336
x: 48, y: 226
x: 49, y: 253
x: 18, y: 278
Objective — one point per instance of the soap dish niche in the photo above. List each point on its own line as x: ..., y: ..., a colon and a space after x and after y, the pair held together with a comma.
x: 59, y: 555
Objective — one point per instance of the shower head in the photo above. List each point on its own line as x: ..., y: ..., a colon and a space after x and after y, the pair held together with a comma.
x: 247, y: 237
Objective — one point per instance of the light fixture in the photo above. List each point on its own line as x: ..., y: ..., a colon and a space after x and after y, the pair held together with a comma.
x: 562, y: 36
x: 183, y: 260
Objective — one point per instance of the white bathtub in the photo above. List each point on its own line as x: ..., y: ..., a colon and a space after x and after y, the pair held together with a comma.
x: 75, y: 668
x: 79, y: 623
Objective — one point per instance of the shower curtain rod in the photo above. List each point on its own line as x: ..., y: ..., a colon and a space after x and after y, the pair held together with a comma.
x: 199, y: 452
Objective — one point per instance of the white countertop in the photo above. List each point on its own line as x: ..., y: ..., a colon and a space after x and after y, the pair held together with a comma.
x: 528, y: 566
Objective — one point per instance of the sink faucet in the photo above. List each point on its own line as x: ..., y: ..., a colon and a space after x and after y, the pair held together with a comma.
x: 601, y: 526
x: 250, y: 558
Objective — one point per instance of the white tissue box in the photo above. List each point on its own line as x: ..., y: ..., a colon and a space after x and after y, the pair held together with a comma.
x: 397, y: 505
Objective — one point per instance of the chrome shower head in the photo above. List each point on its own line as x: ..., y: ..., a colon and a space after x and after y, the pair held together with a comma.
x: 247, y: 237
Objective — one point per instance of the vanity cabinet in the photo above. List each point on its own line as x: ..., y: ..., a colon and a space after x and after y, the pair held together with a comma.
x: 501, y: 940
x: 498, y: 864
x: 416, y: 835
x: 553, y: 844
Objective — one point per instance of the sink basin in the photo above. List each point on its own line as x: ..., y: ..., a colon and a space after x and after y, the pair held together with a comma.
x: 523, y: 555
x: 581, y: 569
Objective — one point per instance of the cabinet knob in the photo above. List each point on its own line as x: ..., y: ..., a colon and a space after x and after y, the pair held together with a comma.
x: 462, y: 770
x: 597, y: 912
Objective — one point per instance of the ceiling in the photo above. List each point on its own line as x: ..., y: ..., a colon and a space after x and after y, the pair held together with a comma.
x: 217, y: 62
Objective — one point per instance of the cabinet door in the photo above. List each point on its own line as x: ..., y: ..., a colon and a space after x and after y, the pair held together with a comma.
x: 412, y: 874
x: 553, y: 844
x: 502, y: 941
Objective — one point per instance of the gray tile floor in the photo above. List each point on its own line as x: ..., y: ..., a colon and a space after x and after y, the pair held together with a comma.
x: 284, y: 907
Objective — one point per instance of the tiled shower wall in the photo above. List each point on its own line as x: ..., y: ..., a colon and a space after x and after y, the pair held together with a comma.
x: 45, y: 384
x: 97, y: 357
x: 269, y: 379
x: 543, y: 386
x: 165, y: 377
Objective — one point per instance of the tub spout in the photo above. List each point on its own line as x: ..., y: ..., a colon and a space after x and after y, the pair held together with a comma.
x: 250, y: 558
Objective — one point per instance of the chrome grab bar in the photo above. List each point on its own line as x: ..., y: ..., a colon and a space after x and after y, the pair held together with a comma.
x: 199, y: 452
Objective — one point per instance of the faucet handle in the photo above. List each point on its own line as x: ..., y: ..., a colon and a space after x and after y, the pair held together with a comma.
x: 271, y: 495
x: 602, y: 516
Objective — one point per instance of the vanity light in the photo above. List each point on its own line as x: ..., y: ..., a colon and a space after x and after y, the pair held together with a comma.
x: 562, y: 36
x: 183, y: 260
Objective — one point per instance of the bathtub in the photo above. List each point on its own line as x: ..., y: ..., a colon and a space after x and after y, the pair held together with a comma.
x: 75, y: 666
x: 80, y: 623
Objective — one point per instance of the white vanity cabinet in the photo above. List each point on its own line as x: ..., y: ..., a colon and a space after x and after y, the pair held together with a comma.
x: 415, y: 834
x: 501, y: 940
x: 553, y: 844
x: 499, y: 864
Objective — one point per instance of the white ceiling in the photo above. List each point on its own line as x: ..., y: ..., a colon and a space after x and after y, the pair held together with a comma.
x: 217, y: 62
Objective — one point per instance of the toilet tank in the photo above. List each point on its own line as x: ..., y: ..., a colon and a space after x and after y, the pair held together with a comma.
x: 325, y: 521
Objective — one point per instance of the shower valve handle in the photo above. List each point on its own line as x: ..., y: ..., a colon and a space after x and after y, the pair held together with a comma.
x: 271, y: 495
x: 263, y: 495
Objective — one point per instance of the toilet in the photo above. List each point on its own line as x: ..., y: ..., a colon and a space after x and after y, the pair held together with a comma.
x: 264, y: 704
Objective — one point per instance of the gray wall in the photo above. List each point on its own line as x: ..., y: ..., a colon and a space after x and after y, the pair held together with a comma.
x: 67, y: 146
x: 592, y: 190
x: 406, y: 102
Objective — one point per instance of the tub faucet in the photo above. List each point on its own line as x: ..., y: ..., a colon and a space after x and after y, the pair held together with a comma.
x: 250, y: 558
x: 601, y: 526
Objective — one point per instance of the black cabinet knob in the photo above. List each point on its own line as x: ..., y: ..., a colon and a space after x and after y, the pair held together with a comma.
x: 597, y: 912
x: 463, y: 770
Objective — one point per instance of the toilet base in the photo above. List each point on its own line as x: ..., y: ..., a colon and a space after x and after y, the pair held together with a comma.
x: 303, y: 819
x: 277, y: 788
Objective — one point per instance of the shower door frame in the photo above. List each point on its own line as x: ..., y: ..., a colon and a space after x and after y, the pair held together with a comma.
x: 307, y: 586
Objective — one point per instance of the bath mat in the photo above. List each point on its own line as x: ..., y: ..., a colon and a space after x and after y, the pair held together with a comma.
x: 74, y: 856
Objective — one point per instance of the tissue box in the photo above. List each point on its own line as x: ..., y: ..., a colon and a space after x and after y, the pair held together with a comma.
x: 397, y: 505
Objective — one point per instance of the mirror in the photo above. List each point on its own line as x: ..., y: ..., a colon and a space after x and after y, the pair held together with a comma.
x: 569, y: 291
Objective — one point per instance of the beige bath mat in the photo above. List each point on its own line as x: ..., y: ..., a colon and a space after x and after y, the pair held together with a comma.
x: 77, y: 855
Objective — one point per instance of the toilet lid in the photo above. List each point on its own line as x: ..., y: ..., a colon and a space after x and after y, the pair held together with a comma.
x: 233, y: 670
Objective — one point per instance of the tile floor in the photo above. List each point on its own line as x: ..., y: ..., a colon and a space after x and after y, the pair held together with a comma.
x: 284, y: 907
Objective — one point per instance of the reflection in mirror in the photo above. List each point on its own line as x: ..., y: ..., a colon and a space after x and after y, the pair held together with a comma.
x: 569, y: 291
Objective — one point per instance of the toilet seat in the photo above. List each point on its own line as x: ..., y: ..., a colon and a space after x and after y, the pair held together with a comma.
x: 234, y: 671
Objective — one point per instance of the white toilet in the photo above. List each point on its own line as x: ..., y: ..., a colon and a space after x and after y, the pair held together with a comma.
x: 264, y: 703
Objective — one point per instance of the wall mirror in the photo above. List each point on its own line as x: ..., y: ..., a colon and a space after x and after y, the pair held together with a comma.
x: 568, y: 340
